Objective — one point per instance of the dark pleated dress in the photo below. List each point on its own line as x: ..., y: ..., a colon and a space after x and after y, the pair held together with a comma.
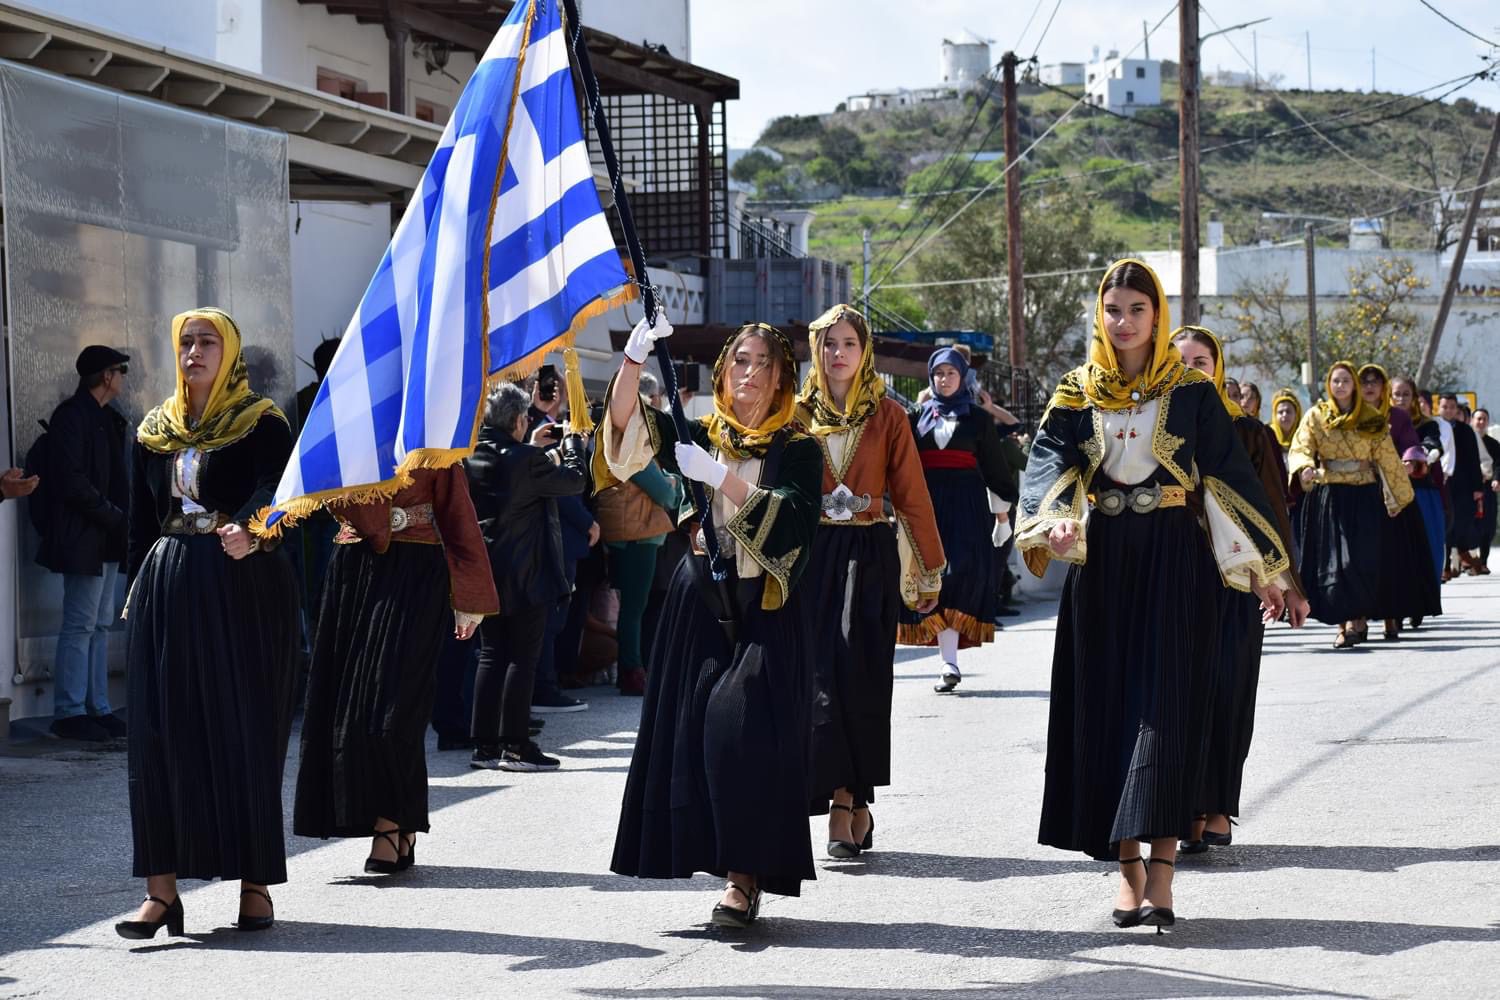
x: 852, y: 593
x: 1408, y: 588
x: 718, y: 779
x: 1131, y: 685
x: 212, y: 646
x: 370, y: 689
x: 1341, y: 550
x: 1240, y: 638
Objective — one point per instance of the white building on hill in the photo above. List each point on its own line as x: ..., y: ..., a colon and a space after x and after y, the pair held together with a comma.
x: 1123, y: 85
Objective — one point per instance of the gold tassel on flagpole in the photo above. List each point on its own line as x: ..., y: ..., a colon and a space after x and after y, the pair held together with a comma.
x: 579, y: 421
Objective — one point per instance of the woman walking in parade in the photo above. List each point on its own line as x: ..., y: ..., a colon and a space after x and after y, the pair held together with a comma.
x: 971, y: 490
x: 1241, y: 632
x: 1426, y: 475
x: 1352, y: 480
x: 1405, y: 590
x: 405, y: 572
x: 854, y: 576
x: 1108, y: 487
x: 212, y: 633
x: 719, y: 778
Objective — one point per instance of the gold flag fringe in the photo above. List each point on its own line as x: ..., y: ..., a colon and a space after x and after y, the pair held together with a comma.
x: 579, y: 420
x: 300, y: 508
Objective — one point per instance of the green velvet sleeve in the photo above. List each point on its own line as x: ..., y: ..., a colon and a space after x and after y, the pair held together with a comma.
x: 776, y: 524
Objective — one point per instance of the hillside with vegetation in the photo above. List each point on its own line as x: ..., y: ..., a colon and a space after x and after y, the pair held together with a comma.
x: 1100, y: 184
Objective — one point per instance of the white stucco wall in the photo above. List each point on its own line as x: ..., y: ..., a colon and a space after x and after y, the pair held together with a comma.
x: 657, y: 22
x: 188, y: 27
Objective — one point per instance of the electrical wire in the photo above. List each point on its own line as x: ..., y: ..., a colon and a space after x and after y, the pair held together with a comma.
x: 1445, y: 17
x: 1048, y: 27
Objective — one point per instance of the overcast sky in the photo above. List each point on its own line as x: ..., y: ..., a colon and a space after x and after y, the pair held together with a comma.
x: 805, y: 56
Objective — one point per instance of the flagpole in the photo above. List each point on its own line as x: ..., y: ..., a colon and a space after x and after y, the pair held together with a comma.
x: 574, y: 26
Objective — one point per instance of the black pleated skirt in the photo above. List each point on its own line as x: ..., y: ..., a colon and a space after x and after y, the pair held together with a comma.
x: 970, y: 597
x: 852, y: 592
x: 1467, y: 530
x: 718, y: 781
x: 1408, y: 586
x: 369, y: 694
x: 1341, y: 548
x: 1232, y: 708
x: 212, y: 647
x: 1131, y: 682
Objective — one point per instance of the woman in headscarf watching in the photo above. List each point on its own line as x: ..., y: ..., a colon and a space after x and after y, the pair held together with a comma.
x: 406, y: 571
x: 719, y: 778
x: 855, y: 577
x: 1405, y: 591
x: 971, y: 488
x: 1353, y: 479
x: 1426, y: 476
x: 1250, y: 400
x: 1133, y: 445
x: 212, y: 634
x: 1241, y: 632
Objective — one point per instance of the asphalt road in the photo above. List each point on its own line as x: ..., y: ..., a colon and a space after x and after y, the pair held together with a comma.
x: 1366, y: 865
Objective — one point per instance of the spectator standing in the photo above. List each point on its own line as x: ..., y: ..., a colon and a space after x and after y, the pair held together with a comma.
x: 87, y: 498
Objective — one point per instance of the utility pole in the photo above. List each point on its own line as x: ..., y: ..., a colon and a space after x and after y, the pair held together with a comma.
x: 1255, y: 63
x: 1146, y: 34
x: 1311, y: 378
x: 1308, y: 36
x: 1017, y: 301
x: 1189, y: 79
x: 866, y: 295
x: 1451, y: 287
x: 1372, y: 69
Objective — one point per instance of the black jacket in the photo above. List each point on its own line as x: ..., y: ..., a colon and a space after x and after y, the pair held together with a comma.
x: 87, y: 486
x: 237, y: 479
x: 514, y: 487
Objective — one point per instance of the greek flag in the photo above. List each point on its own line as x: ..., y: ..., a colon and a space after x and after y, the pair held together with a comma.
x: 501, y: 257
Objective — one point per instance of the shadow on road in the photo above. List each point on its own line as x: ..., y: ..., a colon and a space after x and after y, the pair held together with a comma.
x: 466, y: 877
x: 1266, y: 857
x: 1361, y: 937
x: 1127, y: 983
x: 908, y: 864
x: 308, y: 937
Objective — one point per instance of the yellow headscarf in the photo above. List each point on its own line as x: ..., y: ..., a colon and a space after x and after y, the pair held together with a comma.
x: 1385, y: 397
x: 1284, y: 438
x: 232, y: 409
x: 1362, y: 418
x: 818, y: 413
x: 1235, y: 409
x: 1101, y: 384
x: 727, y: 433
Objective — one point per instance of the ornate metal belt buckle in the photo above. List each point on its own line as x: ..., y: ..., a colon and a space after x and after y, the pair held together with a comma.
x: 842, y: 504
x: 203, y: 523
x: 1110, y: 502
x: 1145, y: 499
x: 399, y: 519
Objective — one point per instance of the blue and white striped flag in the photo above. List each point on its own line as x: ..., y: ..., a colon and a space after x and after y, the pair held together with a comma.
x: 502, y: 257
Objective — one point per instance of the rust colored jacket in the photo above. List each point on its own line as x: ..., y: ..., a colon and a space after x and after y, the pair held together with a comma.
x: 880, y: 458
x: 453, y: 526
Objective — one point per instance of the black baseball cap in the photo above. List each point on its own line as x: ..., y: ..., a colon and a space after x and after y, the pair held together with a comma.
x: 95, y: 358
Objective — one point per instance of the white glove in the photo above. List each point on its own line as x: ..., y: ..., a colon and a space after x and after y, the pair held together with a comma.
x: 644, y: 336
x: 698, y: 464
x: 1000, y: 533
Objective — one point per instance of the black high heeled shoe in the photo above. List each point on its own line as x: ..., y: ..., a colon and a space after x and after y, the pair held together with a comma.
x: 1158, y: 916
x: 1128, y: 918
x: 1213, y: 839
x: 145, y: 930
x: 248, y: 923
x: 732, y: 916
x: 842, y: 850
x: 410, y: 857
x: 380, y: 866
x: 868, y: 841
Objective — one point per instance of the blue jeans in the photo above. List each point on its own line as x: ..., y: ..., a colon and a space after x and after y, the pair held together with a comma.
x: 80, y: 680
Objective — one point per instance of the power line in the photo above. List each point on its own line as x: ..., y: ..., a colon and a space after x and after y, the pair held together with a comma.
x: 1048, y: 27
x: 1445, y: 17
x: 1034, y: 10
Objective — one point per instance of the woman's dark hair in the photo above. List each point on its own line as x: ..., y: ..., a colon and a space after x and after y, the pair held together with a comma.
x: 1135, y: 277
x: 1252, y: 387
x: 1198, y: 336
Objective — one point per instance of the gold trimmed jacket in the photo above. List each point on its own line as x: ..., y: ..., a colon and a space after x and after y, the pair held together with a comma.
x: 1192, y: 439
x: 1344, y: 457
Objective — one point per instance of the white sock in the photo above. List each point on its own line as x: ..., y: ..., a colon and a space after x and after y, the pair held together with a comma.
x: 948, y: 645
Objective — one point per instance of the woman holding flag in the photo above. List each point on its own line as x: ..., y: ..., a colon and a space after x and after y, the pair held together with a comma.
x: 854, y: 577
x: 212, y: 617
x: 719, y: 778
x: 1131, y: 446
